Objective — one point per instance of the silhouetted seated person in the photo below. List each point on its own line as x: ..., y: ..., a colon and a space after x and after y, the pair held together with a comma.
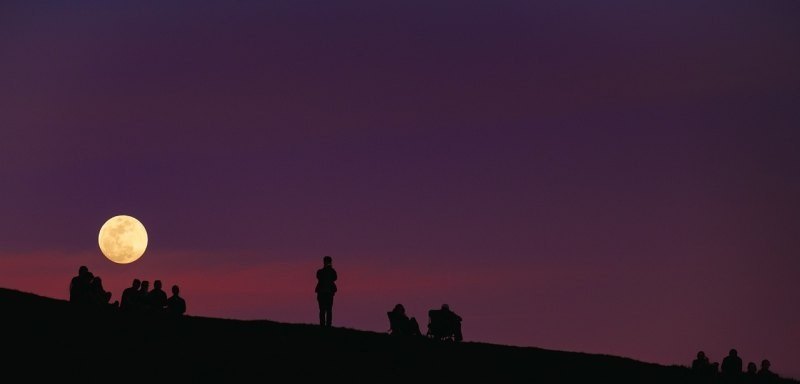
x: 732, y: 364
x: 99, y: 296
x: 752, y: 372
x: 702, y: 367
x: 157, y: 298
x: 764, y: 374
x: 176, y: 306
x: 128, y: 302
x: 79, y: 286
x: 400, y: 324
x: 444, y: 324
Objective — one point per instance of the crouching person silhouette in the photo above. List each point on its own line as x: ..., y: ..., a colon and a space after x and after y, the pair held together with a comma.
x: 400, y: 324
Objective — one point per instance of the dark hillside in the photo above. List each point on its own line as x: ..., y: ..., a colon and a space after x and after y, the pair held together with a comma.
x: 52, y: 339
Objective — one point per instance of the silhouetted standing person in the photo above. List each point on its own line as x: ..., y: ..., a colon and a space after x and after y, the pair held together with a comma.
x: 732, y: 364
x: 128, y: 301
x: 175, y: 304
x: 326, y: 288
x: 157, y: 298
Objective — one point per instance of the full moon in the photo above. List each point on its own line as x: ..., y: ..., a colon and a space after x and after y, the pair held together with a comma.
x: 122, y: 239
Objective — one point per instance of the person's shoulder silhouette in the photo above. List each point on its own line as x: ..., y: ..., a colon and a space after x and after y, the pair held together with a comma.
x: 752, y: 369
x: 732, y: 364
x: 176, y: 305
x: 80, y: 286
x: 157, y: 298
x: 128, y: 302
x: 326, y: 277
x: 765, y: 374
x: 702, y: 367
x: 98, y: 294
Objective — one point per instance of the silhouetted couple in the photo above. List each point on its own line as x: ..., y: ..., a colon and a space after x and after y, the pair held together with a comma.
x: 400, y: 324
x: 87, y: 289
x: 326, y: 289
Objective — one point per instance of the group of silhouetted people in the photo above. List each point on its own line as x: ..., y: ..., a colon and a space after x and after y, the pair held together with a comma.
x: 138, y: 298
x: 731, y: 369
x: 87, y: 289
x: 443, y: 324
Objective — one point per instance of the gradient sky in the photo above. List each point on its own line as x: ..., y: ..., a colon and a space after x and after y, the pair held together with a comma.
x: 609, y: 177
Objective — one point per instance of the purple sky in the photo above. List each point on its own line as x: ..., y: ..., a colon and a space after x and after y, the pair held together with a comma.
x: 610, y: 177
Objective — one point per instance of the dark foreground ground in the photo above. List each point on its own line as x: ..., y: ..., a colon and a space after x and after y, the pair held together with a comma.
x: 49, y: 339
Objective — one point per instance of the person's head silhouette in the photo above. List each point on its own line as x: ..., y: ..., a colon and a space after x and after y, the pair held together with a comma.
x: 733, y: 352
x: 765, y: 365
x: 83, y: 269
x: 701, y: 355
x: 157, y: 285
x: 445, y: 307
x: 327, y: 260
x: 136, y: 283
x: 175, y: 290
x: 399, y: 308
x: 751, y: 368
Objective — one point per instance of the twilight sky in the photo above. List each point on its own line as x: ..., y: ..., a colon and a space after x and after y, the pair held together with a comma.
x: 609, y: 177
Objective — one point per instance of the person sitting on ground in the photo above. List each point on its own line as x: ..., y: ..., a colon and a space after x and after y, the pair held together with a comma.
x: 175, y: 304
x: 99, y: 296
x: 752, y: 371
x: 401, y: 324
x: 732, y: 364
x: 79, y: 290
x: 454, y: 320
x: 702, y: 366
x: 764, y: 374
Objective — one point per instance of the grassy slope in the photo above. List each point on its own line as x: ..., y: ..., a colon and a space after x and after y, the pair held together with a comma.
x: 51, y: 338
